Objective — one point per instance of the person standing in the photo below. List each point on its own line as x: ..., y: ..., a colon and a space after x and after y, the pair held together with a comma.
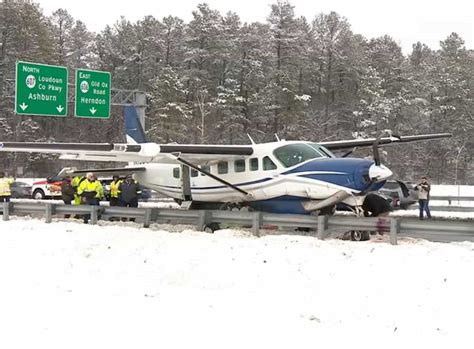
x: 67, y: 192
x: 376, y: 206
x: 423, y: 189
x: 91, y: 191
x: 129, y: 191
x: 5, y: 190
x: 76, y: 181
x: 114, y: 191
x: 114, y: 194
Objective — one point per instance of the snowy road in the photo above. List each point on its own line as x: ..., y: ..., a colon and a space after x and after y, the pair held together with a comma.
x: 68, y: 285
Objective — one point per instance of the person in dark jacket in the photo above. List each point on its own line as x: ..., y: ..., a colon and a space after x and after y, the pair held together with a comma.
x: 375, y: 205
x: 67, y: 192
x: 129, y: 191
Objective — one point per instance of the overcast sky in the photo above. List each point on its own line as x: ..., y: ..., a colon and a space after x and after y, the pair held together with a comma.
x: 407, y: 21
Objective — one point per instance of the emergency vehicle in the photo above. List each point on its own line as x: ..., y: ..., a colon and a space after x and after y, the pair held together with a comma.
x: 47, y: 189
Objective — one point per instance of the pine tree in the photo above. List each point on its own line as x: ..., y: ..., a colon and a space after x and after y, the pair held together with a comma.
x: 62, y: 23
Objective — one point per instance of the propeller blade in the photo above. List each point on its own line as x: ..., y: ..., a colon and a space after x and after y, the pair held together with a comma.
x: 375, y: 150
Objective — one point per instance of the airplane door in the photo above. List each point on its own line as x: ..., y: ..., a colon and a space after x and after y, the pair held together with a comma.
x: 186, y: 183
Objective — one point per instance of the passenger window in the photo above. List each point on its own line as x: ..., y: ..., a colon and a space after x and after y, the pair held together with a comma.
x: 206, y: 168
x: 254, y: 164
x: 268, y: 164
x: 239, y: 165
x: 222, y: 167
x: 194, y: 173
x: 176, y: 172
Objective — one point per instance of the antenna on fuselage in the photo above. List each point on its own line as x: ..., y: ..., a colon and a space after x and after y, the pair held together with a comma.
x: 251, y: 140
x: 278, y: 138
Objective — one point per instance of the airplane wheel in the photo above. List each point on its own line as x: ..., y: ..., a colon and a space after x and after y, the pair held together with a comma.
x: 357, y: 235
x: 229, y: 206
x: 211, y: 228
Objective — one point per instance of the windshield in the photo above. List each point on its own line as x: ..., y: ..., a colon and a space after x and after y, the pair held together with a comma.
x: 293, y: 154
x: 322, y: 150
x: 20, y: 184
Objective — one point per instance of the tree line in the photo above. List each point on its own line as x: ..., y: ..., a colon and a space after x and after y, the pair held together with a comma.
x: 217, y: 79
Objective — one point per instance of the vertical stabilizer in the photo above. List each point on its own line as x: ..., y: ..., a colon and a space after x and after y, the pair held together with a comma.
x: 133, y: 128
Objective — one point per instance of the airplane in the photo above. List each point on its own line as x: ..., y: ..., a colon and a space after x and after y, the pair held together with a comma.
x: 298, y: 177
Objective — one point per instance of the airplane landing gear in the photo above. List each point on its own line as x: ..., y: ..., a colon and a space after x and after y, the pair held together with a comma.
x: 234, y: 206
x: 359, y: 235
x: 211, y: 228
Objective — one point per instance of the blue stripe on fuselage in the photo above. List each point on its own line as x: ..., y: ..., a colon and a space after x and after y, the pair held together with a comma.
x: 347, y: 172
x: 282, y: 204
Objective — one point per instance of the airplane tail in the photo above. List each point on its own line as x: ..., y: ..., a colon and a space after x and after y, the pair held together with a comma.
x: 133, y: 128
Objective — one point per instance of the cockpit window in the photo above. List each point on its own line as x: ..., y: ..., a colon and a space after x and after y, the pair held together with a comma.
x: 293, y: 154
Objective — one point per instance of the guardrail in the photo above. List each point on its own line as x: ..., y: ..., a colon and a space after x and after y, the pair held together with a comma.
x: 322, y: 226
x: 452, y: 208
x: 451, y: 198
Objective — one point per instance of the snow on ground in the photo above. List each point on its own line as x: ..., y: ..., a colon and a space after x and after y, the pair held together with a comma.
x: 452, y: 190
x: 70, y: 285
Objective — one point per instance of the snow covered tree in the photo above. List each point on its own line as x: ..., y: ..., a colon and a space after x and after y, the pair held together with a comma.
x: 169, y: 113
x: 62, y: 23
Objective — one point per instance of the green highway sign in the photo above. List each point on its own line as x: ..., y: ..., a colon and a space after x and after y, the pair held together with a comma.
x: 40, y: 89
x: 92, y: 94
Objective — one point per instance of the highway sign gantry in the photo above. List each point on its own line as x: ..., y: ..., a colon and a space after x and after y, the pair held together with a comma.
x: 40, y: 89
x: 92, y: 94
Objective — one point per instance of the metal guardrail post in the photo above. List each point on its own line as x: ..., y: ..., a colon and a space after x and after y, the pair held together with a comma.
x: 394, y: 230
x: 147, y: 218
x: 256, y: 223
x: 6, y: 211
x: 50, y: 210
x: 94, y: 214
x: 322, y: 227
x: 154, y: 214
x: 203, y: 219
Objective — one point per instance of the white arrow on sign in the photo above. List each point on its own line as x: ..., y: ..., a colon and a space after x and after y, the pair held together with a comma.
x: 93, y: 110
x: 60, y: 108
x: 23, y: 106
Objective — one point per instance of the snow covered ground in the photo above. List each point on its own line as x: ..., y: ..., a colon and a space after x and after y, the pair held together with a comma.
x: 70, y: 285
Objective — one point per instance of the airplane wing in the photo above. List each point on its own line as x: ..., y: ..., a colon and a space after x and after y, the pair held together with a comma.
x: 122, y: 171
x: 119, y: 152
x: 366, y: 142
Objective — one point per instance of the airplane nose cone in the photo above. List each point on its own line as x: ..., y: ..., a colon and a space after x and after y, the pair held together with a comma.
x: 379, y: 173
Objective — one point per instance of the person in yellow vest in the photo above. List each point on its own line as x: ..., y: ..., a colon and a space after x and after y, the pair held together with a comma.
x: 5, y: 191
x: 76, y: 181
x: 91, y: 191
x: 114, y: 193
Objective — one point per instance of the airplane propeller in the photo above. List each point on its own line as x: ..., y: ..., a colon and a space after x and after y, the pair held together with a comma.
x: 375, y: 151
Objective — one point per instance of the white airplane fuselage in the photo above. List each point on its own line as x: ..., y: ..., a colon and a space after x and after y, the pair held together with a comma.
x: 278, y: 177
